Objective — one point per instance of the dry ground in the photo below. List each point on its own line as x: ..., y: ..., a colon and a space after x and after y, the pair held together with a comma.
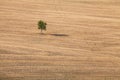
x: 82, y: 41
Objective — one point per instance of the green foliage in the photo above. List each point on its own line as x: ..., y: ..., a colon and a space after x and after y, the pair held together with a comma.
x: 42, y: 25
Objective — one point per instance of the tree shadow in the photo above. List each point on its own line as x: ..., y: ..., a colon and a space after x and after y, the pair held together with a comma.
x: 53, y: 34
x: 61, y: 35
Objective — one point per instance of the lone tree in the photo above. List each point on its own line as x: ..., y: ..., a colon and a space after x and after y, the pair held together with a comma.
x: 42, y: 25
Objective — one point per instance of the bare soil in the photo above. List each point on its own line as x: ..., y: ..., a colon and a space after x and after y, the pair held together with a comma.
x: 82, y: 41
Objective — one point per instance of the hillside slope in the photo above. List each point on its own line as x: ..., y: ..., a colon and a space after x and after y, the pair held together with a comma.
x: 82, y: 41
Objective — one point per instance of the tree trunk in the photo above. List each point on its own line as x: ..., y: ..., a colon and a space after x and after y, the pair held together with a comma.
x: 41, y: 30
